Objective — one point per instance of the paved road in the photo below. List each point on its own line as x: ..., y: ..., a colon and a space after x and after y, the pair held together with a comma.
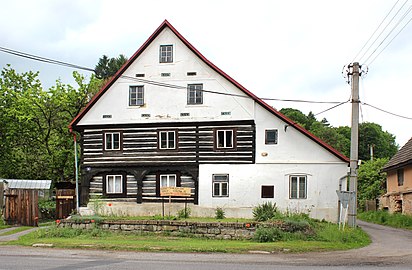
x: 391, y: 249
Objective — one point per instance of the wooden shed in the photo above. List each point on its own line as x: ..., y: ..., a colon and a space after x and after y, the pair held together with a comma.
x: 21, y: 200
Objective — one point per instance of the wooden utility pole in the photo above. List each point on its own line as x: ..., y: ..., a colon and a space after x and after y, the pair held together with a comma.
x: 354, y: 71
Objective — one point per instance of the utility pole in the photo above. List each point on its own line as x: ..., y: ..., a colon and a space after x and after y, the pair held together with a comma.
x: 354, y: 71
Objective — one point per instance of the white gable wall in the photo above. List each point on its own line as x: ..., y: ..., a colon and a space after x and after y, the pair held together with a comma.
x: 166, y: 104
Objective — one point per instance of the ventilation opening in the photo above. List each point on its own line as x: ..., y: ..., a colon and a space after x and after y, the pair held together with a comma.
x: 165, y: 74
x: 191, y: 73
x: 140, y: 75
x: 184, y: 114
x: 225, y: 113
x: 145, y: 114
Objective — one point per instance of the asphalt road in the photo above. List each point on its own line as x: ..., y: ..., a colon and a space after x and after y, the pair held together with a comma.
x: 391, y: 249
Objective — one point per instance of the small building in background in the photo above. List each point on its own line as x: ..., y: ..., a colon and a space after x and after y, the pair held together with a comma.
x: 21, y: 199
x: 398, y: 197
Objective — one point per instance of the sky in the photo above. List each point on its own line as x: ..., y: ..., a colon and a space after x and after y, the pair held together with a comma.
x: 276, y: 49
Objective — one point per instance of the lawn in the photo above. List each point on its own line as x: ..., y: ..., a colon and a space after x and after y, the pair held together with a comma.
x: 327, y: 238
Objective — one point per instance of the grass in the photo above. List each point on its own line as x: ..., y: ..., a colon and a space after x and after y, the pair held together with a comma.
x: 2, y: 224
x: 382, y: 217
x: 327, y: 238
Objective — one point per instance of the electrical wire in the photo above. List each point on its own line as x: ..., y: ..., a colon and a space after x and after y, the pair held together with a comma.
x: 366, y: 43
x: 389, y: 42
x: 385, y: 111
x: 390, y: 32
x: 333, y: 107
x: 383, y: 30
x: 43, y: 59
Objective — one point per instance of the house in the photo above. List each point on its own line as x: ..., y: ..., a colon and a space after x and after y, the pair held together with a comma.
x: 398, y: 198
x: 170, y: 117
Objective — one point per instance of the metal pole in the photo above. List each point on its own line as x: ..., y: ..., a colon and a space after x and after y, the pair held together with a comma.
x: 353, y: 184
x: 76, y: 175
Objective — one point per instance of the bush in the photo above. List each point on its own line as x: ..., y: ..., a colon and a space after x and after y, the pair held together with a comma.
x: 47, y: 208
x: 184, y: 213
x: 219, y: 213
x: 294, y: 226
x: 264, y: 212
x: 265, y: 234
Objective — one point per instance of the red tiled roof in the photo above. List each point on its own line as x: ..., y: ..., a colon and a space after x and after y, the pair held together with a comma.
x: 401, y: 158
x: 215, y: 68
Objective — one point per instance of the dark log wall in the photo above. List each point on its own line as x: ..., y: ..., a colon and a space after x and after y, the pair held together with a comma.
x: 195, y: 144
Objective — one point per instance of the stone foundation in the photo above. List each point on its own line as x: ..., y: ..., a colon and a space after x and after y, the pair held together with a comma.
x: 214, y: 230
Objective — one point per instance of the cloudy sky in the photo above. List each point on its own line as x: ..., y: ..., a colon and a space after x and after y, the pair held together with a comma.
x: 277, y: 49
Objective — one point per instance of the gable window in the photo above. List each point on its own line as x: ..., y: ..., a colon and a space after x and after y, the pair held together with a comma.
x: 224, y: 139
x: 268, y: 192
x: 167, y: 139
x: 168, y: 180
x: 166, y: 53
x: 114, y: 184
x: 400, y: 177
x: 112, y: 141
x: 195, y: 94
x: 271, y: 136
x: 297, y: 187
x: 220, y: 184
x: 136, y: 95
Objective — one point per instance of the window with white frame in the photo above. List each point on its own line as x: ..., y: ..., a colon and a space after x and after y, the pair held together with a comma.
x: 168, y: 180
x: 114, y: 184
x: 224, y: 138
x: 166, y: 54
x: 271, y: 136
x: 136, y: 95
x: 195, y: 94
x: 167, y: 139
x: 112, y: 141
x: 220, y: 185
x: 298, y: 187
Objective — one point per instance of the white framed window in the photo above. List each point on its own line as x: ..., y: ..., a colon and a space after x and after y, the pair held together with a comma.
x: 271, y: 136
x: 168, y: 180
x: 114, y: 184
x: 166, y: 54
x: 167, y: 139
x: 195, y: 94
x: 136, y: 95
x: 298, y: 187
x: 220, y: 185
x: 224, y: 139
x: 112, y: 141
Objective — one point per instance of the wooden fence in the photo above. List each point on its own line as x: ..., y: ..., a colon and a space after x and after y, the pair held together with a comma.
x: 21, y: 207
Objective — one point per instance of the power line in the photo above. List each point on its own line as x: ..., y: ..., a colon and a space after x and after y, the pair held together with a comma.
x: 333, y: 107
x: 383, y: 30
x: 363, y: 47
x: 388, y: 112
x: 43, y: 59
x: 389, y: 42
x: 390, y: 32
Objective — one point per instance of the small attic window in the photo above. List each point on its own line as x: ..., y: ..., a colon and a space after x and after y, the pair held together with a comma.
x: 145, y: 115
x: 166, y: 54
x: 140, y: 75
x: 184, y: 114
x: 191, y: 74
x: 225, y: 113
x: 165, y: 74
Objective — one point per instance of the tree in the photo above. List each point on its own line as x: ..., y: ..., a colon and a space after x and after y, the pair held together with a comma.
x: 107, y: 67
x: 371, y: 180
x: 35, y: 140
x: 372, y: 135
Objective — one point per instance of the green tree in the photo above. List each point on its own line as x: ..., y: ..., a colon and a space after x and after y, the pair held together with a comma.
x: 383, y: 143
x: 371, y: 180
x: 107, y: 67
x: 35, y: 140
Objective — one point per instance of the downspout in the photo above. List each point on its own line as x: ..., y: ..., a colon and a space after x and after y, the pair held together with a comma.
x: 76, y: 170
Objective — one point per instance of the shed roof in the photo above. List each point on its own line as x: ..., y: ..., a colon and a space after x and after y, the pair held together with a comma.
x: 27, y: 184
x: 400, y: 159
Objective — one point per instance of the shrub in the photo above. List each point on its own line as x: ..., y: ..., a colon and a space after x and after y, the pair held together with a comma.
x: 184, y: 213
x: 264, y: 212
x: 294, y: 226
x: 219, y: 213
x: 265, y: 234
x: 47, y: 209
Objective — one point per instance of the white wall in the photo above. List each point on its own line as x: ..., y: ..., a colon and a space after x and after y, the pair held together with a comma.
x: 166, y: 104
x: 245, y: 183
